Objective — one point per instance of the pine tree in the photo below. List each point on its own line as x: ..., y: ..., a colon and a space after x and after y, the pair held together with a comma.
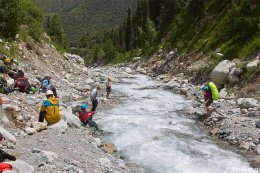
x: 56, y: 31
x: 129, y: 31
x: 9, y: 18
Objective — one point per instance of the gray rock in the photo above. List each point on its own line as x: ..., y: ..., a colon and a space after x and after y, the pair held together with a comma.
x: 128, y: 70
x: 223, y: 93
x: 89, y: 81
x: 30, y: 131
x: 183, y: 91
x: 252, y: 64
x: 70, y: 118
x: 61, y: 126
x: 233, y: 79
x: 257, y: 149
x: 39, y: 126
x: 247, y: 103
x: 257, y: 124
x: 221, y: 71
x: 243, y: 111
x: 7, y: 135
x: 105, y: 162
x: 5, y: 120
x: 244, y: 146
x: 22, y: 167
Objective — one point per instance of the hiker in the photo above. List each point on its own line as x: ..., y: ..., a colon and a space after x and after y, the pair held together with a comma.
x: 4, y: 155
x: 50, y: 109
x: 108, y: 87
x: 93, y: 97
x: 22, y: 84
x: 210, y: 93
x: 53, y: 89
x: 4, y: 89
x: 45, y: 83
x: 86, y: 117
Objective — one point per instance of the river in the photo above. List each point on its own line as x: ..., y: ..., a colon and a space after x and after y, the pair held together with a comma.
x: 147, y: 128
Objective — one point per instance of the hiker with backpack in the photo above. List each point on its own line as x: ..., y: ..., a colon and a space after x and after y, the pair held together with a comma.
x: 45, y: 83
x: 5, y: 156
x: 50, y: 109
x: 210, y: 93
x: 94, y: 97
x: 86, y: 117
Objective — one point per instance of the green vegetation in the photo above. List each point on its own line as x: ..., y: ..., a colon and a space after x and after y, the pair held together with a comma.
x: 81, y: 17
x: 23, y: 17
x: 233, y: 27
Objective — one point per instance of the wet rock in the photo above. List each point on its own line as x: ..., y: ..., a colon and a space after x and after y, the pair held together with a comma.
x: 39, y: 126
x: 221, y: 71
x: 109, y: 148
x: 183, y: 91
x: 246, y: 103
x: 7, y: 135
x: 105, y: 162
x: 22, y: 167
x: 30, y: 131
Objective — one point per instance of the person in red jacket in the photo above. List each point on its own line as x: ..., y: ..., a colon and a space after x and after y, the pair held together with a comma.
x: 86, y: 117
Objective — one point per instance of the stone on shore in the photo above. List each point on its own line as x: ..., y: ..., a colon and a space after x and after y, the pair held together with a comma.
x: 246, y: 103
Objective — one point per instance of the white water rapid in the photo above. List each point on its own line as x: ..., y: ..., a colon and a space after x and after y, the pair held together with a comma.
x: 148, y: 130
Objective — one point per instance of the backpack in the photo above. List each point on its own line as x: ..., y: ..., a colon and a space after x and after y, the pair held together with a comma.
x: 4, y: 167
x: 23, y: 84
x: 214, y: 90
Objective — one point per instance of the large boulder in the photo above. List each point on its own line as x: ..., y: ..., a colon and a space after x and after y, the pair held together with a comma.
x: 60, y: 126
x: 221, y: 71
x: 70, y: 118
x: 247, y: 103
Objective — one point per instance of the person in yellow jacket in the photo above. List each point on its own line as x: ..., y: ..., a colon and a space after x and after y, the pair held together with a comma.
x: 50, y: 109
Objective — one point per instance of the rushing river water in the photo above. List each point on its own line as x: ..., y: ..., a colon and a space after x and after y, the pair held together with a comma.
x: 147, y: 129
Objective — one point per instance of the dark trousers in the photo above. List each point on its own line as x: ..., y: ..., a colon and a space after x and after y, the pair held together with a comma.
x: 94, y: 105
x: 91, y: 124
x: 41, y: 116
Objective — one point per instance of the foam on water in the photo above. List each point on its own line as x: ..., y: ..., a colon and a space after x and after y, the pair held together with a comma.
x: 140, y: 128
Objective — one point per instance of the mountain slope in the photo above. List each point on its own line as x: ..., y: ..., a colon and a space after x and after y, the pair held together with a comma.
x: 80, y: 17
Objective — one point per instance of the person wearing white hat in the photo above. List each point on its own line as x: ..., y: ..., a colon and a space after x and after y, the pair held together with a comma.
x: 50, y: 109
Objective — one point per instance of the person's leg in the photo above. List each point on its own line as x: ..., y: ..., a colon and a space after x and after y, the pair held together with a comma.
x: 93, y: 124
x: 94, y: 105
x: 41, y: 117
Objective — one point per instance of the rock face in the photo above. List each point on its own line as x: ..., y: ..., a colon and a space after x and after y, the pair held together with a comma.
x: 221, y: 71
x: 109, y: 148
x: 247, y: 103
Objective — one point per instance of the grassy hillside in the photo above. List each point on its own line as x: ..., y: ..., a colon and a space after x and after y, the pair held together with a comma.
x: 80, y: 17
